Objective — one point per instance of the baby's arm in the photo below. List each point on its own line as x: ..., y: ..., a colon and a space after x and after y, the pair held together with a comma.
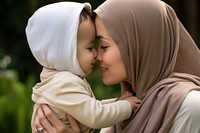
x: 123, y: 97
x: 92, y: 112
x: 134, y: 101
x: 77, y: 101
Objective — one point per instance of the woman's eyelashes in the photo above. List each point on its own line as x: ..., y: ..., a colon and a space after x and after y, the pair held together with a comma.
x: 102, y: 44
x: 103, y: 47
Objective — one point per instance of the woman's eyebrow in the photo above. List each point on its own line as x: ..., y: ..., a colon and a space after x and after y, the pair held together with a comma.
x: 101, y: 37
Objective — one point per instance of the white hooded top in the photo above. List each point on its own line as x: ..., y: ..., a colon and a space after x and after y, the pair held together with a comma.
x: 52, y: 36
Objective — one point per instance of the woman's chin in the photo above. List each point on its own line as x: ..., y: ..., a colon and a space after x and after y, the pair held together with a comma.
x: 108, y: 82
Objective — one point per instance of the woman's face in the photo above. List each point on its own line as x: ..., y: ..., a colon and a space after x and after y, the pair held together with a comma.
x: 111, y: 65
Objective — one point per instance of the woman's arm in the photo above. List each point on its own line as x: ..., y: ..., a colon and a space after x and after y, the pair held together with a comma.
x: 51, y: 124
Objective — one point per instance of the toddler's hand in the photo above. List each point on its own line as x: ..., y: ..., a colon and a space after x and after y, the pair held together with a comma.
x: 134, y: 101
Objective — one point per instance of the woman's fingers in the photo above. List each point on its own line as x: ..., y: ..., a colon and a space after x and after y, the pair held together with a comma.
x: 55, y: 125
x: 55, y: 122
x: 47, y: 119
x: 35, y: 123
x: 42, y: 116
x: 74, y: 124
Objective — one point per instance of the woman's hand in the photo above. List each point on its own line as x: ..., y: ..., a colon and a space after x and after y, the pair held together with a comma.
x: 46, y: 118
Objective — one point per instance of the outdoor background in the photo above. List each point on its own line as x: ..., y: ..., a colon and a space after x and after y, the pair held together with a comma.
x: 19, y: 71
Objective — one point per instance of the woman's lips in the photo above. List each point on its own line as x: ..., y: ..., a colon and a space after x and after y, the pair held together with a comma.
x: 103, y: 69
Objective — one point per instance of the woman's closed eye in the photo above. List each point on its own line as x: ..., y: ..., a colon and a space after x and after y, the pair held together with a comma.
x: 104, y: 47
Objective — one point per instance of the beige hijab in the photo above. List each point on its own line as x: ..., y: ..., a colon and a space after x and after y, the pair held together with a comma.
x: 161, y: 59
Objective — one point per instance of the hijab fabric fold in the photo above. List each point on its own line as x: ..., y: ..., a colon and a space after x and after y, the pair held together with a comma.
x: 52, y: 35
x: 161, y: 59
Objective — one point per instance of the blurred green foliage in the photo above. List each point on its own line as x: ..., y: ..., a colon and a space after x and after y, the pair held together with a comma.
x: 19, y: 71
x: 15, y: 103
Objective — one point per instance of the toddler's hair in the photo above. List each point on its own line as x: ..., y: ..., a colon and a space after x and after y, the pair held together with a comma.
x: 85, y: 15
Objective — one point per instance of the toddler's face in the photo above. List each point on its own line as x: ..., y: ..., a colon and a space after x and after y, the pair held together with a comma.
x: 85, y: 48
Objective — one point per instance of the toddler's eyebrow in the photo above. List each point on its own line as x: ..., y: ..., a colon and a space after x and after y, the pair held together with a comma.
x: 92, y: 41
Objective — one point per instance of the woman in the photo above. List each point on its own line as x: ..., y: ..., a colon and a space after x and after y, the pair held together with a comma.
x: 161, y: 65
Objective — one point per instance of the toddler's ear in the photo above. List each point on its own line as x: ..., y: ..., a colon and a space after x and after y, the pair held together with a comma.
x: 128, y: 93
x: 125, y: 95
